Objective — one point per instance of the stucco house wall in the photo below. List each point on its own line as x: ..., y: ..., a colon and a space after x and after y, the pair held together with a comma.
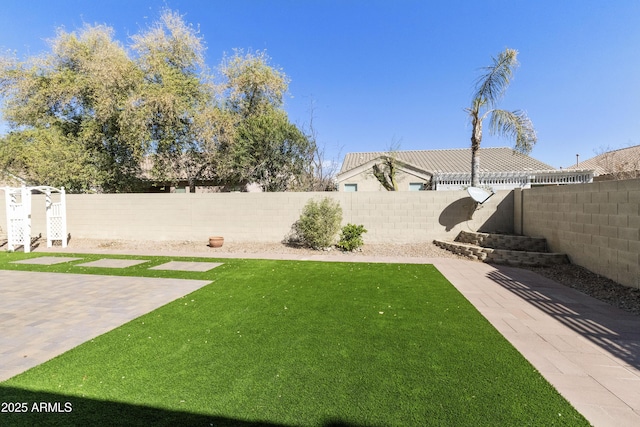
x: 365, y: 181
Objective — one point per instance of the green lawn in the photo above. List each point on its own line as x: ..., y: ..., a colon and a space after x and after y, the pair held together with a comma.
x: 295, y: 344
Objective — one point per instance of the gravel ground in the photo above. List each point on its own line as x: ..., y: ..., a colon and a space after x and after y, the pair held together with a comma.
x: 570, y: 275
x: 594, y: 285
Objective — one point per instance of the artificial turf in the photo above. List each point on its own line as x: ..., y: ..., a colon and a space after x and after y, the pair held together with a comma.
x: 295, y: 344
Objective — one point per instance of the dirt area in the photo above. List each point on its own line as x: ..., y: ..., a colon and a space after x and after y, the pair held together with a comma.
x: 570, y: 275
x: 405, y: 250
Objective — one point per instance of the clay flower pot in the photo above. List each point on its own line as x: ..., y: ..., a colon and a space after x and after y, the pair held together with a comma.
x: 216, y: 241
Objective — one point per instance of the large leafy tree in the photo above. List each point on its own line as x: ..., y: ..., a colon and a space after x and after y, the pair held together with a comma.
x: 266, y: 148
x: 270, y: 151
x: 252, y: 86
x: 88, y: 114
x: 70, y: 105
x: 49, y: 158
x: 174, y: 90
x: 490, y: 89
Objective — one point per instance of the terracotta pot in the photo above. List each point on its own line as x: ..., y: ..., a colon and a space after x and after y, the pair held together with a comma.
x: 216, y: 241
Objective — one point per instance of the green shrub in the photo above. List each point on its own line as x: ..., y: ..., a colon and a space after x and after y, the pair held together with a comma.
x: 351, y: 237
x: 319, y: 223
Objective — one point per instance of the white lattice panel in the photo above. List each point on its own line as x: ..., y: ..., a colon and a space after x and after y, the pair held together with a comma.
x: 16, y: 232
x: 18, y: 205
x: 55, y: 228
x: 15, y: 224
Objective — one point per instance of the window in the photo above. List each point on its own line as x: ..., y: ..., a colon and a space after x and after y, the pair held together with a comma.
x: 350, y: 188
x: 416, y: 186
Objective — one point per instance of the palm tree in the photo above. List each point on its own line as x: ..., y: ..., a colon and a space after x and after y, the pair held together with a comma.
x: 490, y: 88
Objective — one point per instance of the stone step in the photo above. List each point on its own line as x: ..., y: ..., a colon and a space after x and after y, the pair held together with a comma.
x: 503, y: 241
x: 503, y: 256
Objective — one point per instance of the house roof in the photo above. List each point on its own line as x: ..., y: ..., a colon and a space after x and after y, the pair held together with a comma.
x: 621, y: 160
x: 497, y: 159
x: 8, y: 179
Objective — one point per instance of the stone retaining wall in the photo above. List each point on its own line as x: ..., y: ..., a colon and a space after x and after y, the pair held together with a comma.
x: 503, y: 256
x: 503, y: 241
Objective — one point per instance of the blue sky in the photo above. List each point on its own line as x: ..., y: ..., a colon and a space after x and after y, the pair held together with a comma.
x: 385, y: 72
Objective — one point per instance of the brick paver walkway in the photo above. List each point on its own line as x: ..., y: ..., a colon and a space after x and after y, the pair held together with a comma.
x: 588, y: 350
x: 45, y: 314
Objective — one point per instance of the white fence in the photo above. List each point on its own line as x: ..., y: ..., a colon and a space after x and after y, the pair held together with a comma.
x: 18, y: 216
x: 510, y: 180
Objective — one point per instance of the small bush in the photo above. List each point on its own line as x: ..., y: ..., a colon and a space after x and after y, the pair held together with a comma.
x: 351, y: 237
x: 319, y: 223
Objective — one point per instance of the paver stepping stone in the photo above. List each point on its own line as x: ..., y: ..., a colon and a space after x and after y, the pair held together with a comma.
x: 113, y: 263
x: 187, y: 266
x: 45, y: 260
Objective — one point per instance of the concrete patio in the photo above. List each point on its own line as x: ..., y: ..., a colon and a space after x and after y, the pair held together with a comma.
x: 589, y: 351
x: 37, y: 325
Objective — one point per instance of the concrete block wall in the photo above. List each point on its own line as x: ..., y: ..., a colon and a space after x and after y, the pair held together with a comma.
x: 394, y: 217
x: 597, y: 225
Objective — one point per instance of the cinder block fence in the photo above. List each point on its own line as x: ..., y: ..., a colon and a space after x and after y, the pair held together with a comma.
x: 597, y: 225
x: 394, y: 217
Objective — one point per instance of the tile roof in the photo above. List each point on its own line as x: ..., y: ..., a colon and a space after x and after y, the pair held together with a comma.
x: 621, y: 160
x: 499, y: 159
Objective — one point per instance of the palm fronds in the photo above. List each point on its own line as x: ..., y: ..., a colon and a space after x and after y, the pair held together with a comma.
x: 515, y: 125
x: 494, y: 82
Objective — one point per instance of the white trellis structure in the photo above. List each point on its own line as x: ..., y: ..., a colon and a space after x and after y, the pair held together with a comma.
x: 18, y: 205
x: 511, y: 180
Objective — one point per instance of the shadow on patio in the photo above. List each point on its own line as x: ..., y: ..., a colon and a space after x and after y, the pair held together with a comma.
x: 614, y: 330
